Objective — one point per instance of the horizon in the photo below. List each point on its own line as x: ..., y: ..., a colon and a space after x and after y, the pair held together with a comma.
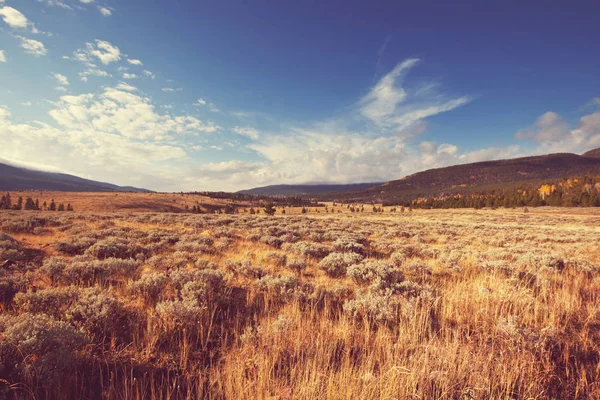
x: 215, y: 97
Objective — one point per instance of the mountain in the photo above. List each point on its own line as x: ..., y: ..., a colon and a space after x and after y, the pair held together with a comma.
x: 469, y: 178
x: 16, y: 178
x: 306, y: 190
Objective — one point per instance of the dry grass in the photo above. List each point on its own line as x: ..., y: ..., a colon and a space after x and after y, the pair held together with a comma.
x: 457, y: 304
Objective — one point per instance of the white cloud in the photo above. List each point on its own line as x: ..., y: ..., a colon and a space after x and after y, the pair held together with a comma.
x: 100, y: 50
x: 126, y: 87
x: 554, y: 135
x: 200, y: 102
x: 390, y: 106
x: 246, y: 131
x: 100, y: 135
x: 213, y: 108
x: 105, y: 11
x: 86, y: 1
x: 129, y: 76
x: 134, y: 62
x: 13, y: 17
x: 33, y: 47
x: 2, y: 56
x: 61, y: 79
x: 548, y: 127
x: 56, y: 3
x: 61, y: 89
x: 149, y: 74
x: 92, y: 72
x: 27, y: 103
x: 168, y: 89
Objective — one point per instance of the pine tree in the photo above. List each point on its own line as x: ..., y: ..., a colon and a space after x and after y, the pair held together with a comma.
x: 29, y: 204
x: 61, y: 207
x: 269, y: 209
x: 6, y: 202
x: 19, y: 205
x: 52, y: 205
x: 69, y: 207
x: 37, y: 204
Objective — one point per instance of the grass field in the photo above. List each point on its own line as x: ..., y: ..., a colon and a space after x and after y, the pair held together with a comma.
x: 428, y: 304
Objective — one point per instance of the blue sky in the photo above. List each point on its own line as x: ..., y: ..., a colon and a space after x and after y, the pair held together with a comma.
x: 187, y: 95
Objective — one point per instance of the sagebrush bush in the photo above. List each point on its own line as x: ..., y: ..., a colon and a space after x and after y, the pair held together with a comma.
x: 115, y: 247
x: 52, y: 301
x: 335, y: 264
x: 75, y: 246
x: 149, y: 286
x: 99, y: 314
x: 297, y: 265
x: 369, y: 271
x: 38, y: 349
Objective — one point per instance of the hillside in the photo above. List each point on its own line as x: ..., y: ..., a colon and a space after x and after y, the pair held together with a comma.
x: 468, y: 178
x: 16, y: 178
x: 306, y: 190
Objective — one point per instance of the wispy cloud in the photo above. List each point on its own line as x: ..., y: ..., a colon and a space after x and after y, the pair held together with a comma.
x: 3, y: 56
x: 32, y: 46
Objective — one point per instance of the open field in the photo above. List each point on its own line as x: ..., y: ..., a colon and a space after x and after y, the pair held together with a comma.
x: 429, y: 304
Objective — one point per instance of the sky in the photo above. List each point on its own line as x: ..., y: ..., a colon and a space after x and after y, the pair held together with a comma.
x: 185, y: 95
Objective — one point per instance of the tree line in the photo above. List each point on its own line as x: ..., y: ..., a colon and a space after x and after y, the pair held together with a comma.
x: 582, y: 191
x: 6, y: 203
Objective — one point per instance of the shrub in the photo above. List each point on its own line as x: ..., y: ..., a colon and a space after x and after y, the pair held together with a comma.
x: 272, y: 241
x: 282, y: 287
x: 296, y: 264
x: 313, y: 250
x: 95, y: 271
x: 39, y: 347
x: 9, y: 287
x: 417, y: 267
x: 397, y: 258
x: 52, y: 301
x: 276, y: 258
x: 149, y: 286
x: 374, y: 307
x: 180, y: 313
x: 335, y: 264
x: 369, y: 271
x: 346, y: 245
x: 98, y: 313
x: 115, y: 247
x: 75, y: 246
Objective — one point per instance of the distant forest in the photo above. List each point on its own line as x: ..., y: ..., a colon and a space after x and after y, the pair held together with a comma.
x: 582, y: 191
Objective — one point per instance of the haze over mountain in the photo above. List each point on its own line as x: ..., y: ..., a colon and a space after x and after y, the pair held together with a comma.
x: 17, y: 178
x: 453, y: 179
x: 465, y: 178
x: 307, y: 190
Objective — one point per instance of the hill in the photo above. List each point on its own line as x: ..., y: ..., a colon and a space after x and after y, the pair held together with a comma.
x: 16, y: 178
x: 469, y: 178
x: 306, y: 190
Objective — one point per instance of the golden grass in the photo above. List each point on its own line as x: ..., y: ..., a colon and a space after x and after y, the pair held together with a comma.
x: 487, y: 324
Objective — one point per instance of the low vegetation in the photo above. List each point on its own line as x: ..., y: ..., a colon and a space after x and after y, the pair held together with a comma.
x: 430, y: 304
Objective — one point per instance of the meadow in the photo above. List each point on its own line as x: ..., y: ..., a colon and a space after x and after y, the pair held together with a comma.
x: 426, y: 304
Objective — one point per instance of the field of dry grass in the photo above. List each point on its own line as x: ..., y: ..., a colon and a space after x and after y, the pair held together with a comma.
x: 435, y: 304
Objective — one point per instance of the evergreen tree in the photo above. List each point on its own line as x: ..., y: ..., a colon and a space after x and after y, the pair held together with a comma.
x: 37, y: 204
x: 52, y: 205
x: 29, y: 204
x: 19, y: 205
x: 61, y: 207
x: 269, y: 209
x: 69, y: 207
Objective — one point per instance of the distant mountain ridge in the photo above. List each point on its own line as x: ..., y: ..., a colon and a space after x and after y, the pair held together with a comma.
x: 306, y: 190
x: 17, y: 179
x: 460, y: 179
